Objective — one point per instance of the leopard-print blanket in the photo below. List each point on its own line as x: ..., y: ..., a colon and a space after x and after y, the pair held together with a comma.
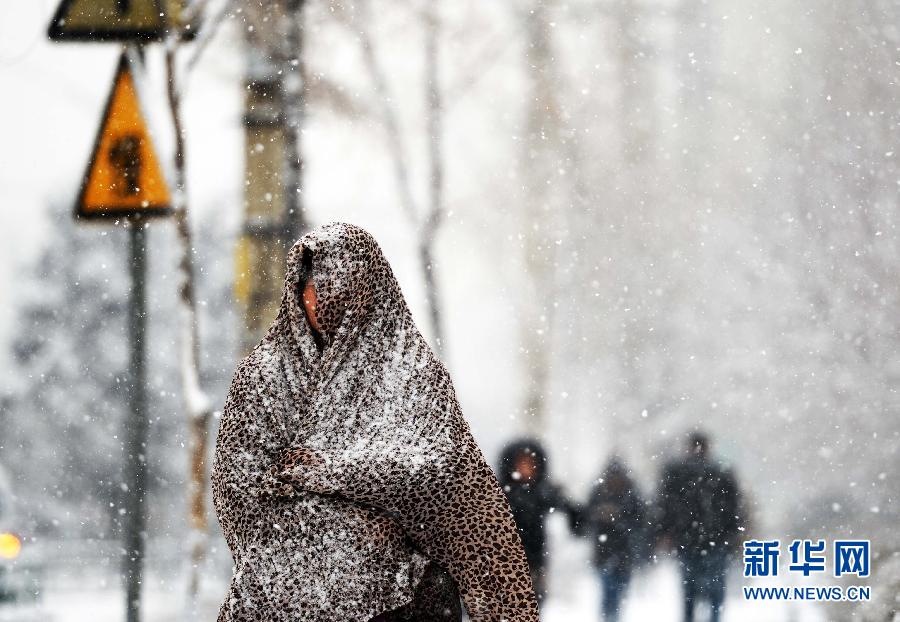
x: 340, y: 471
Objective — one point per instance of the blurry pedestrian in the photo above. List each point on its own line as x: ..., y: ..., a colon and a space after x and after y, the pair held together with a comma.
x: 614, y: 520
x: 525, y: 478
x: 699, y: 514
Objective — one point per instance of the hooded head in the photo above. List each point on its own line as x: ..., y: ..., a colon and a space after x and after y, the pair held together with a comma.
x: 520, y: 457
x: 616, y: 476
x: 351, y: 277
x: 698, y: 445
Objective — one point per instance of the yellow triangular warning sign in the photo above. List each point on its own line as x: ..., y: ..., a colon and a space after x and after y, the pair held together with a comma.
x: 124, y: 176
x: 113, y: 20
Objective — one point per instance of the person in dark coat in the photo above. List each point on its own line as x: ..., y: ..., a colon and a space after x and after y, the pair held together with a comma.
x: 614, y: 520
x: 700, y: 516
x: 524, y: 477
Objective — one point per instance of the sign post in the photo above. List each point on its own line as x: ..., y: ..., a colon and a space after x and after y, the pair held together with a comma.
x: 136, y: 428
x: 124, y: 180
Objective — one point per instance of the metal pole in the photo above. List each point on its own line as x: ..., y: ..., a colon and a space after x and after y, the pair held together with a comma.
x: 136, y: 426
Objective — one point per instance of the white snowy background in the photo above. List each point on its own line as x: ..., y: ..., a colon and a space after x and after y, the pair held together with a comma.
x: 721, y: 235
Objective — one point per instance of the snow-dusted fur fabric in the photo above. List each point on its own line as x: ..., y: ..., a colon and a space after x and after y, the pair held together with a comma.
x: 339, y: 473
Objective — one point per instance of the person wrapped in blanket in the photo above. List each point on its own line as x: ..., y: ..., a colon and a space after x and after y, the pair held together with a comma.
x: 346, y: 480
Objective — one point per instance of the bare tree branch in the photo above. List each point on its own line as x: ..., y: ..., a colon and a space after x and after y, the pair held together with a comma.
x: 424, y: 221
x: 329, y: 95
x: 388, y: 113
x: 197, y: 404
x: 207, y: 31
x: 433, y: 216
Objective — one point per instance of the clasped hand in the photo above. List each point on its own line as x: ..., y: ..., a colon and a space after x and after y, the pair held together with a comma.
x: 292, y: 473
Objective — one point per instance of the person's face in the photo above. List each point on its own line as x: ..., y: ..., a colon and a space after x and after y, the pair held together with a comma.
x: 526, y: 467
x: 616, y: 483
x: 309, y: 304
x: 697, y: 449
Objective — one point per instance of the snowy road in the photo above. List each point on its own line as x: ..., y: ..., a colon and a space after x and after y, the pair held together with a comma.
x: 653, y: 596
x: 574, y: 597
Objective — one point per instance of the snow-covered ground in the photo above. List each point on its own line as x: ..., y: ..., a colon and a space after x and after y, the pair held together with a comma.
x: 574, y: 595
x: 654, y: 593
x: 654, y: 596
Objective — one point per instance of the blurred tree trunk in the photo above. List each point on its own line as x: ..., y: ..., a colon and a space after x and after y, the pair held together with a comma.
x: 637, y: 212
x: 539, y: 161
x: 695, y: 69
x: 197, y: 403
x: 198, y: 406
x: 275, y: 107
x: 435, y: 209
x: 636, y: 95
x: 292, y: 76
x: 840, y: 241
x: 629, y: 206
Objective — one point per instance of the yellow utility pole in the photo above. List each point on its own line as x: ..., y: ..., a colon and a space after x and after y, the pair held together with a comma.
x: 273, y: 209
